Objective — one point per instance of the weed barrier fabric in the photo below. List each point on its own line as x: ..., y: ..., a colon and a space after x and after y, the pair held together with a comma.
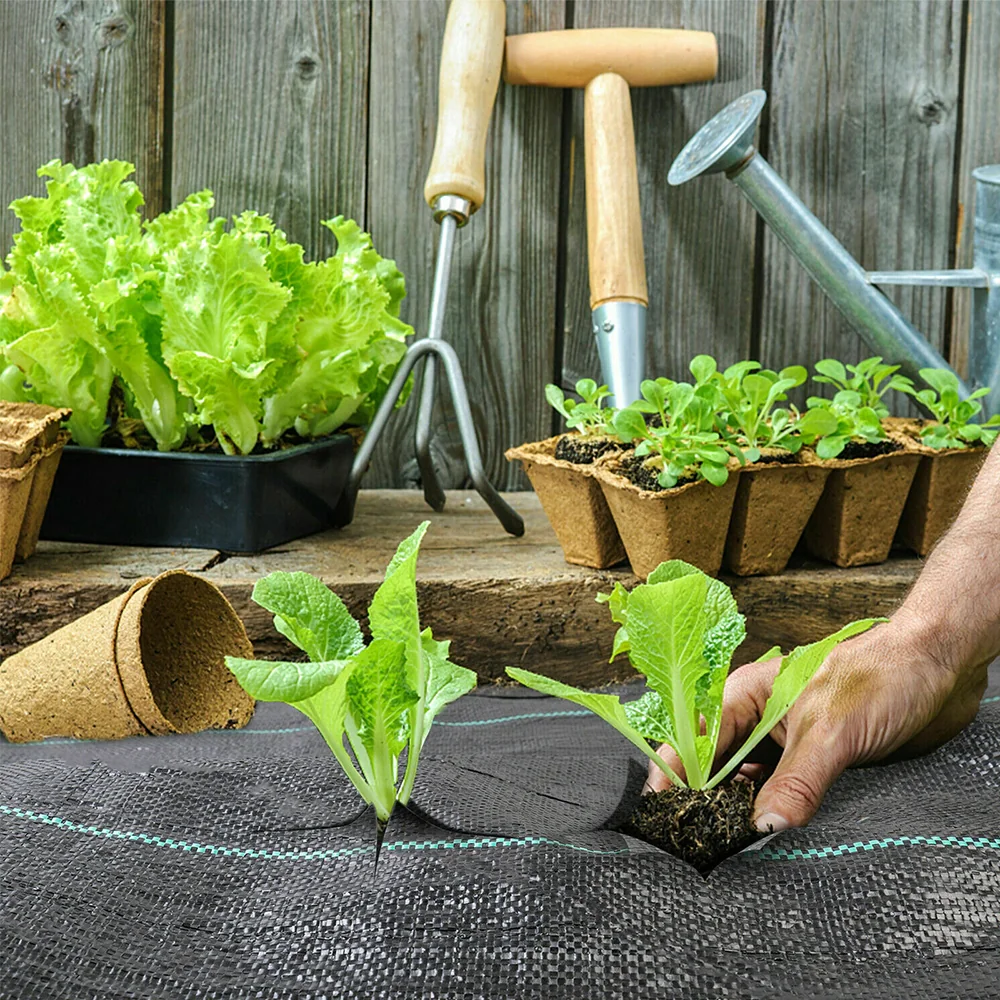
x: 241, y: 864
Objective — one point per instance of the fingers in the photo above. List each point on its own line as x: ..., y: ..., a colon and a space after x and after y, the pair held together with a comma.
x: 814, y: 758
x: 747, y: 690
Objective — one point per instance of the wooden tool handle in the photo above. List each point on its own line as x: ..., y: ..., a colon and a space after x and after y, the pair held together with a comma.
x: 614, y: 221
x: 644, y: 57
x: 471, y: 58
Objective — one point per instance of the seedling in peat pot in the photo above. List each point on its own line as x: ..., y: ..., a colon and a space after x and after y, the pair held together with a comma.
x: 383, y: 697
x: 588, y: 415
x: 954, y: 427
x: 680, y: 630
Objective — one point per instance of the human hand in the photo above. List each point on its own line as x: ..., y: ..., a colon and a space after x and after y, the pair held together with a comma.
x: 884, y: 695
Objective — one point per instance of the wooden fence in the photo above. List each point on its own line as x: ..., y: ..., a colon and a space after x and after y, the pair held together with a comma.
x: 878, y: 111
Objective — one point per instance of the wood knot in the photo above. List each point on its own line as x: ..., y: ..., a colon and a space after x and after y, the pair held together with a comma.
x: 931, y: 108
x: 306, y: 67
x: 113, y: 31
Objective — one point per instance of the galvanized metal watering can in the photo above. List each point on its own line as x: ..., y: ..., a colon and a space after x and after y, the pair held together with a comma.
x: 724, y: 145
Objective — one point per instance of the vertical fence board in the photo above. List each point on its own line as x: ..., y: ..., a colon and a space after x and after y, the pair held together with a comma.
x: 980, y: 145
x: 501, y: 304
x: 271, y: 110
x: 863, y: 112
x: 80, y: 80
x: 699, y: 238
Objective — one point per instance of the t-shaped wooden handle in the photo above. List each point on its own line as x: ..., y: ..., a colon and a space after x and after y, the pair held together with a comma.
x: 471, y: 58
x: 643, y: 57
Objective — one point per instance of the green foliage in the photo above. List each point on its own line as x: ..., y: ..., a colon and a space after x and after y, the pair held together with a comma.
x: 870, y: 379
x: 588, y: 415
x: 382, y: 697
x: 199, y: 324
x: 954, y: 427
x: 829, y: 424
x: 680, y: 630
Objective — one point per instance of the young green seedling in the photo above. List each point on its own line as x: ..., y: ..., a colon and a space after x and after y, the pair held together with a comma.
x: 954, y: 428
x: 383, y: 697
x: 870, y: 379
x: 830, y: 424
x: 680, y: 630
x: 588, y: 415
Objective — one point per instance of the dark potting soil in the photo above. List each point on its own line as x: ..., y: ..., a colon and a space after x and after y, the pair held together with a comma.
x: 634, y: 469
x: 868, y: 449
x: 701, y: 828
x: 585, y: 451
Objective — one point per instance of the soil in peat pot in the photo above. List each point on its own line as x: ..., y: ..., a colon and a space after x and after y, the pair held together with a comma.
x: 699, y: 827
x: 584, y: 451
x: 635, y: 470
x: 868, y: 449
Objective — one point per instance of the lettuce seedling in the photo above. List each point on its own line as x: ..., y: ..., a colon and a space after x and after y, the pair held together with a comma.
x: 680, y: 630
x: 682, y: 442
x: 383, y: 697
x: 870, y: 379
x: 829, y: 424
x: 954, y: 428
x: 588, y: 415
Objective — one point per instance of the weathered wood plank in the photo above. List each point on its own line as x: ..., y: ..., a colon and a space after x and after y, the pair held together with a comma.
x: 699, y: 238
x: 863, y: 112
x: 503, y: 601
x: 980, y: 145
x: 501, y: 305
x: 271, y: 110
x: 80, y: 80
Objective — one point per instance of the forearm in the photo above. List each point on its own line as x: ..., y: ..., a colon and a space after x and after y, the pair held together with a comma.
x: 955, y: 602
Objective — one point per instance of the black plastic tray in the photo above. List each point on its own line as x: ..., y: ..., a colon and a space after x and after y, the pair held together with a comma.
x: 181, y: 499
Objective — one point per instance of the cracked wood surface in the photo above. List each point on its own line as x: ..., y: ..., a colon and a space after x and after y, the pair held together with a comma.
x: 501, y: 600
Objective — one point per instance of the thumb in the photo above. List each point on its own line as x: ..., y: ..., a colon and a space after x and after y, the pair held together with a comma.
x: 812, y: 761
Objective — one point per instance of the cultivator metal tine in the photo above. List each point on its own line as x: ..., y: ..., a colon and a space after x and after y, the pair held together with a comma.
x: 512, y: 522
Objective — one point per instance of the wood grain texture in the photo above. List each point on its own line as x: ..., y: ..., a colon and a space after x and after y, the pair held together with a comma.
x: 501, y: 306
x: 979, y: 146
x: 699, y: 239
x: 270, y: 110
x: 863, y: 108
x: 80, y: 80
x: 502, y: 600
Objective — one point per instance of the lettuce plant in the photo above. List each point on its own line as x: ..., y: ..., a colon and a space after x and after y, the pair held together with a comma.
x: 683, y: 442
x: 748, y: 398
x: 870, y: 379
x: 382, y: 697
x: 954, y: 427
x: 588, y: 415
x: 829, y: 424
x: 680, y: 630
x: 191, y: 322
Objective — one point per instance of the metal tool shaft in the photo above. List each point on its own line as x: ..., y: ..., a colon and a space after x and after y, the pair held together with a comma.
x: 433, y: 492
x: 620, y: 333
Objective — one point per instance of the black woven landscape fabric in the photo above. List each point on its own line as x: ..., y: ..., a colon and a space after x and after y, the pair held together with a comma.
x: 242, y: 864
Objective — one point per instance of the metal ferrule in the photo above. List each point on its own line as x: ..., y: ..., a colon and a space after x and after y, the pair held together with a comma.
x: 452, y: 205
x: 620, y: 333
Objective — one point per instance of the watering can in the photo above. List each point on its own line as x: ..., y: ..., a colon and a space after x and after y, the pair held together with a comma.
x: 724, y: 145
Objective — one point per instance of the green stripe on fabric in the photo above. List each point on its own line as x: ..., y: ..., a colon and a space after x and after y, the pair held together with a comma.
x: 863, y: 846
x: 476, y: 843
x: 517, y: 718
x: 190, y: 846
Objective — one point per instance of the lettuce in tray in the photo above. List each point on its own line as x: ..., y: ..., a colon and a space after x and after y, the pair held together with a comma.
x: 183, y: 328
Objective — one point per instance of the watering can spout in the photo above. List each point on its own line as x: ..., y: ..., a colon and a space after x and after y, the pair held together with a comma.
x: 724, y: 145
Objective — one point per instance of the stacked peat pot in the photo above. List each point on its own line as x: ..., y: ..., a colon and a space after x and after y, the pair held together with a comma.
x: 31, y: 444
x: 716, y: 472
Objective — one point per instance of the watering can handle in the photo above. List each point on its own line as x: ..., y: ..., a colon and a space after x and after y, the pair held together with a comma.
x: 471, y: 58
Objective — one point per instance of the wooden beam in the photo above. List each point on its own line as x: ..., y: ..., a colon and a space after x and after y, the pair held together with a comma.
x: 501, y: 600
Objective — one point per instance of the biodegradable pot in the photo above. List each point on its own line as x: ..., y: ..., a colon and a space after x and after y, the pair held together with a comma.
x: 15, y: 492
x: 773, y: 504
x: 236, y: 503
x: 856, y: 518
x: 38, y: 498
x: 574, y: 504
x: 688, y: 522
x: 940, y: 486
x: 149, y: 662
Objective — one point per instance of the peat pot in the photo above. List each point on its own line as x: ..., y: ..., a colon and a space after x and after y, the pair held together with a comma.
x: 774, y: 501
x: 688, y: 522
x: 186, y: 499
x: 574, y: 504
x: 856, y: 518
